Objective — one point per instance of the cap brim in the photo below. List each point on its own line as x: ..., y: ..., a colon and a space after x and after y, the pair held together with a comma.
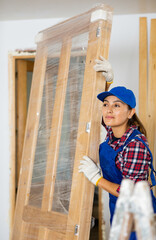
x: 103, y: 95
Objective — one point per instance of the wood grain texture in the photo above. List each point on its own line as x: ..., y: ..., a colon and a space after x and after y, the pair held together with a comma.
x: 82, y: 190
x: 12, y: 129
x: 21, y: 109
x: 29, y: 142
x: 143, y: 65
x: 151, y: 116
x: 51, y: 220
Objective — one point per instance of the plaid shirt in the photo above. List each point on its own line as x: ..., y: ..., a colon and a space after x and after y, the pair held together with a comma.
x: 134, y: 160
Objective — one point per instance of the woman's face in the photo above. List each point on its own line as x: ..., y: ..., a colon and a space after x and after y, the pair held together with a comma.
x: 115, y: 112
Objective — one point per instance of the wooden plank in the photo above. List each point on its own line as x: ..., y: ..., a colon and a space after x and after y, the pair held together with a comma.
x: 99, y: 84
x: 21, y: 56
x: 151, y: 117
x: 12, y: 131
x: 82, y: 190
x: 57, y: 119
x: 21, y: 109
x: 143, y: 59
x: 30, y: 141
x: 105, y: 52
x: 51, y: 220
x: 151, y: 92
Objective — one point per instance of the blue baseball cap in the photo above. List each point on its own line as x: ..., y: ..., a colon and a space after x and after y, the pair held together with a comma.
x: 124, y: 94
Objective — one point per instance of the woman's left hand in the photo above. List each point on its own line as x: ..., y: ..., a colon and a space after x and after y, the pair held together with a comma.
x: 90, y: 169
x: 104, y: 66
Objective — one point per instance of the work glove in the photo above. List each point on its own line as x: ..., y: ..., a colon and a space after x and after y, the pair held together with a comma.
x: 104, y: 66
x: 90, y: 169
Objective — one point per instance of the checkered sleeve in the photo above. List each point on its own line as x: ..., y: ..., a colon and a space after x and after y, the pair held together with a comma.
x: 134, y: 161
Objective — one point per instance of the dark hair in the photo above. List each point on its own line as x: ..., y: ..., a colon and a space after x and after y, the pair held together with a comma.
x: 136, y: 121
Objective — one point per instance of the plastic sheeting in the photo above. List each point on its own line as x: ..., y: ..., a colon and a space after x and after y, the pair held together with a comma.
x: 66, y: 151
x: 53, y: 134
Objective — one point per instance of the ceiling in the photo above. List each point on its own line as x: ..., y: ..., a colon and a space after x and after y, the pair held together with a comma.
x: 36, y: 9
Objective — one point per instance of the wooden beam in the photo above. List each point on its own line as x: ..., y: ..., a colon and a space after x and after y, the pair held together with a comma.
x: 143, y: 59
x: 152, y: 93
x: 12, y: 131
x: 82, y: 192
x: 21, y: 109
x: 17, y: 55
x: 151, y: 117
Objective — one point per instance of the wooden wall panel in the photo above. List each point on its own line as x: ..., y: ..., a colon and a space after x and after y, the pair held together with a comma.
x: 151, y: 116
x: 143, y: 67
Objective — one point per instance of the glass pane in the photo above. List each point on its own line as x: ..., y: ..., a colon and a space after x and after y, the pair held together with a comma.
x: 39, y: 168
x: 70, y: 125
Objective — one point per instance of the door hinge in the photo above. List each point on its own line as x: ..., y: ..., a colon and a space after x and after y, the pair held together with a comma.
x: 88, y: 125
x: 98, y: 32
x: 76, y: 233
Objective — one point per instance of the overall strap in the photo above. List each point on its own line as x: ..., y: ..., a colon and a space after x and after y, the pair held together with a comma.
x: 107, y: 140
x: 132, y: 136
x: 151, y: 166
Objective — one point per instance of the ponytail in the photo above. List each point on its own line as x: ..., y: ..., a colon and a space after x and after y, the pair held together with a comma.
x: 136, y: 121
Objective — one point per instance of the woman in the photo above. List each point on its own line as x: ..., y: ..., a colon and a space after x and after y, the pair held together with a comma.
x: 125, y: 152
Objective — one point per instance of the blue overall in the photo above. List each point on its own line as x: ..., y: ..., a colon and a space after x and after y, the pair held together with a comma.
x: 110, y: 172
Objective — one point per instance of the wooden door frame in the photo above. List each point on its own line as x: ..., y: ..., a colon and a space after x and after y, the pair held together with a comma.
x: 12, y: 57
x: 30, y: 139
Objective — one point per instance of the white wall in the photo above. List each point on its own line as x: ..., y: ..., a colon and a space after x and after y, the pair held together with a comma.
x: 124, y: 50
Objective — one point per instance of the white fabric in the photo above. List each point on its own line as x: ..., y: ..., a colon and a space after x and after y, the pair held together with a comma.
x: 105, y: 67
x: 90, y: 169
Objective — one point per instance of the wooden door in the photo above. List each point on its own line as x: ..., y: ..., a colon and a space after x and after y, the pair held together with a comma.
x: 54, y: 200
x: 22, y: 100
